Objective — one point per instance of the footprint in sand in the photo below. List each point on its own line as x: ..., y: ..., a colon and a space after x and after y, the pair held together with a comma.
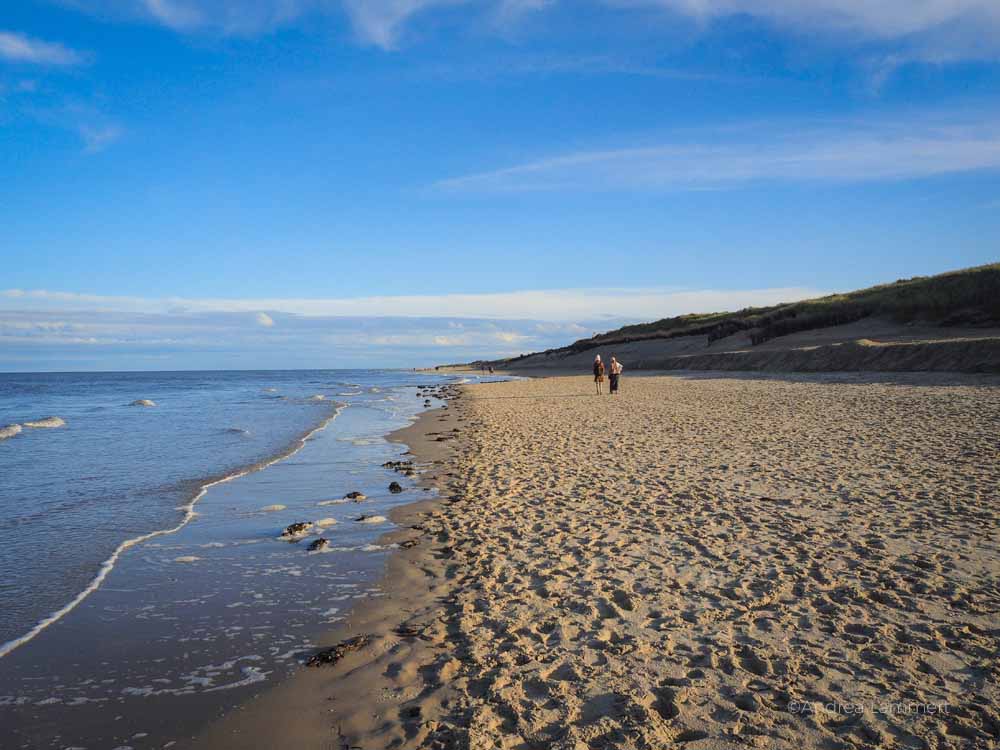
x: 753, y: 663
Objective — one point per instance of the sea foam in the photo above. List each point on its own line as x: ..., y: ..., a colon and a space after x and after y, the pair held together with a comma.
x: 9, y: 431
x: 47, y: 422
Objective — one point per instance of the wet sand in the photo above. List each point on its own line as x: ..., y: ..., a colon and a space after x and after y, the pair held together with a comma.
x: 707, y: 561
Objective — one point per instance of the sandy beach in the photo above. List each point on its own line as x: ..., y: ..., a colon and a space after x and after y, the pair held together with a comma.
x: 703, y: 561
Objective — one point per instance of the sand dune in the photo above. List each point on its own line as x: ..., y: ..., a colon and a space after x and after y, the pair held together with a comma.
x: 870, y: 345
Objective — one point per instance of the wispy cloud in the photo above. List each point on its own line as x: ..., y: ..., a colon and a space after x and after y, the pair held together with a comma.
x: 885, y: 18
x: 380, y: 22
x: 95, y: 130
x: 98, y: 137
x: 176, y: 15
x: 22, y: 48
x: 938, y: 30
x: 536, y: 305
x: 847, y: 152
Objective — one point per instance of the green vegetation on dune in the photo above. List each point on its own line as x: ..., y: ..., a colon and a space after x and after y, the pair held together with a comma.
x: 968, y: 297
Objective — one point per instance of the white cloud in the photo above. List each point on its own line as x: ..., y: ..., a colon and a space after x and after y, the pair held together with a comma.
x: 263, y: 319
x: 847, y: 152
x: 938, y: 30
x: 573, y: 305
x: 380, y: 22
x: 25, y: 49
x: 510, y: 337
x: 33, y: 325
x: 176, y: 15
x: 450, y: 340
x: 882, y: 18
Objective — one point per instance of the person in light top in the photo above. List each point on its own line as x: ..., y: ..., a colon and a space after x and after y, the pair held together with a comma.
x: 614, y: 374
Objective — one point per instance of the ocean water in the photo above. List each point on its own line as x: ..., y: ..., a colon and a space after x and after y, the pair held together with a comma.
x: 142, y: 573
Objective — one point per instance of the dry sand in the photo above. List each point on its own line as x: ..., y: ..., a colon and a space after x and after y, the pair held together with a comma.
x: 700, y: 562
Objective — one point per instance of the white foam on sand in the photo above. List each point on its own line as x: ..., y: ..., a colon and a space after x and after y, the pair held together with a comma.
x: 189, y: 513
x: 272, y: 508
x: 251, y: 675
x: 373, y: 519
x: 9, y: 431
x: 48, y: 422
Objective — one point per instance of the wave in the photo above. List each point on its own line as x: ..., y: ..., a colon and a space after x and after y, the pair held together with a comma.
x: 359, y: 548
x: 48, y: 422
x: 237, y: 431
x: 9, y: 431
x: 108, y: 565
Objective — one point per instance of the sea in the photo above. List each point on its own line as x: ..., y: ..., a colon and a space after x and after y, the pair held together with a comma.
x: 145, y: 585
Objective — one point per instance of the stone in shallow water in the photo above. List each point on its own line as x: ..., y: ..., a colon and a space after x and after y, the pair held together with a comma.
x: 319, y: 545
x: 395, y: 488
x: 297, y: 529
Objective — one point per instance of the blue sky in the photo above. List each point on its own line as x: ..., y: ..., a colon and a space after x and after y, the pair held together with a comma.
x: 404, y: 182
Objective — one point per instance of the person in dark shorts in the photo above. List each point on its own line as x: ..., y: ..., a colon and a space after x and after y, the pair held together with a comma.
x: 614, y: 374
x: 599, y: 374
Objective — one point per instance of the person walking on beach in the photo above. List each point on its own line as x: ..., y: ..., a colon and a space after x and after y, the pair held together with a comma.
x: 599, y: 374
x: 614, y: 373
